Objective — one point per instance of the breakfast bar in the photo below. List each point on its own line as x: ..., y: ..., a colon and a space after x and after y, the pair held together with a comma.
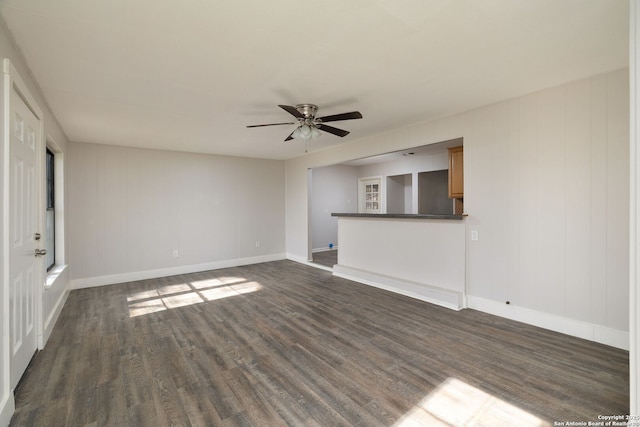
x: 421, y: 256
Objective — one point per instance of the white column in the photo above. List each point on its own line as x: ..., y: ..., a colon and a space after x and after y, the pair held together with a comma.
x: 634, y: 197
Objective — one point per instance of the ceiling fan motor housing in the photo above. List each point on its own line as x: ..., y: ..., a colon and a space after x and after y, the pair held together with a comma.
x: 307, y: 110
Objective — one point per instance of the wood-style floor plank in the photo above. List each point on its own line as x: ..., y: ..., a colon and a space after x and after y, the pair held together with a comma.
x: 326, y: 258
x: 283, y: 344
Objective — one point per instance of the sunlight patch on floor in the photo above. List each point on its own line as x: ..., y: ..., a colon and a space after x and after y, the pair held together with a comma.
x: 142, y: 295
x: 182, y: 300
x: 224, y: 292
x: 220, y: 281
x: 456, y: 403
x: 146, y: 307
x: 174, y: 289
x: 186, y: 294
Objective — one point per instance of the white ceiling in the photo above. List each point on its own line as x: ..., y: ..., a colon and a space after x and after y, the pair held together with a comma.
x: 190, y: 75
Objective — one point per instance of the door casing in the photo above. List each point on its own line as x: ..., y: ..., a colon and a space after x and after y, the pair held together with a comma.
x: 13, y: 85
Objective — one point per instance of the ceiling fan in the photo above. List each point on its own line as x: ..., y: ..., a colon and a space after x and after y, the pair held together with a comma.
x: 309, y: 126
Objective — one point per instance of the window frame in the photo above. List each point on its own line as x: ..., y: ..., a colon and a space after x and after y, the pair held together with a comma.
x: 371, y: 201
x: 50, y: 207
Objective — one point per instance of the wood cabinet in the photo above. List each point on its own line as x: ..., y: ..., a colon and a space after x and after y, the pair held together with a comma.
x: 456, y: 173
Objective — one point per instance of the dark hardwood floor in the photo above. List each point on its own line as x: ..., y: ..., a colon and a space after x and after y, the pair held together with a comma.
x: 286, y: 344
x: 326, y: 258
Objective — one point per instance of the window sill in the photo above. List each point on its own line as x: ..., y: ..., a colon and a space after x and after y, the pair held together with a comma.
x: 53, y: 275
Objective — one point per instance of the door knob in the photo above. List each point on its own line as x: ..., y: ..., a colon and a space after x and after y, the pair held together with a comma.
x: 41, y: 252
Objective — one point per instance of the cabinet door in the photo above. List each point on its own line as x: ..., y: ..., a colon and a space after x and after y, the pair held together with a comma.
x: 456, y: 173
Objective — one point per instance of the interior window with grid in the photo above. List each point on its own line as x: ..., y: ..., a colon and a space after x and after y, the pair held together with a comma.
x: 372, y: 198
x: 50, y: 214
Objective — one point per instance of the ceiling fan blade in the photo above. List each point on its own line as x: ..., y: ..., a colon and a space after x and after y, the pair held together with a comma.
x: 290, y: 137
x: 292, y: 110
x: 270, y: 124
x: 344, y: 116
x: 331, y: 129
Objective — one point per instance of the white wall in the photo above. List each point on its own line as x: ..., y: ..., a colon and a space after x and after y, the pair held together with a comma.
x: 546, y: 187
x: 438, y: 159
x: 53, y: 296
x: 421, y: 258
x: 420, y: 162
x: 396, y: 192
x: 554, y: 227
x: 334, y: 189
x: 410, y: 204
x: 129, y: 209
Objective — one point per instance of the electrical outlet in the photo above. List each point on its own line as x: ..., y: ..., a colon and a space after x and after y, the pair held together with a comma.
x: 257, y: 243
x: 175, y: 253
x: 474, y: 234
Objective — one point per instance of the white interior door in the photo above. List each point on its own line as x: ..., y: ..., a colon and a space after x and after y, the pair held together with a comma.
x: 25, y: 268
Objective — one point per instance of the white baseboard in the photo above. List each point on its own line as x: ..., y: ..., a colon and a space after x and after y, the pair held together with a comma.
x: 90, y: 282
x: 50, y: 322
x: 576, y: 328
x: 7, y: 408
x: 301, y: 260
x: 432, y: 294
x: 296, y: 258
x: 335, y: 248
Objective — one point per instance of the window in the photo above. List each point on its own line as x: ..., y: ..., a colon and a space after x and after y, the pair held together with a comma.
x: 371, y: 198
x: 50, y: 231
x: 370, y: 195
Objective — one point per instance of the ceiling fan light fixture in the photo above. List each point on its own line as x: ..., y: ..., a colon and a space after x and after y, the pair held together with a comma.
x: 315, y: 133
x: 296, y: 132
x: 306, y: 132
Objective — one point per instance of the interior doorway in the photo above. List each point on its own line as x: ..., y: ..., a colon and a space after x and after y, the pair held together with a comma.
x: 24, y: 260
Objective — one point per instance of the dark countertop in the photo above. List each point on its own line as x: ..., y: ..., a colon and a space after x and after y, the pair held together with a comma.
x: 398, y: 216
